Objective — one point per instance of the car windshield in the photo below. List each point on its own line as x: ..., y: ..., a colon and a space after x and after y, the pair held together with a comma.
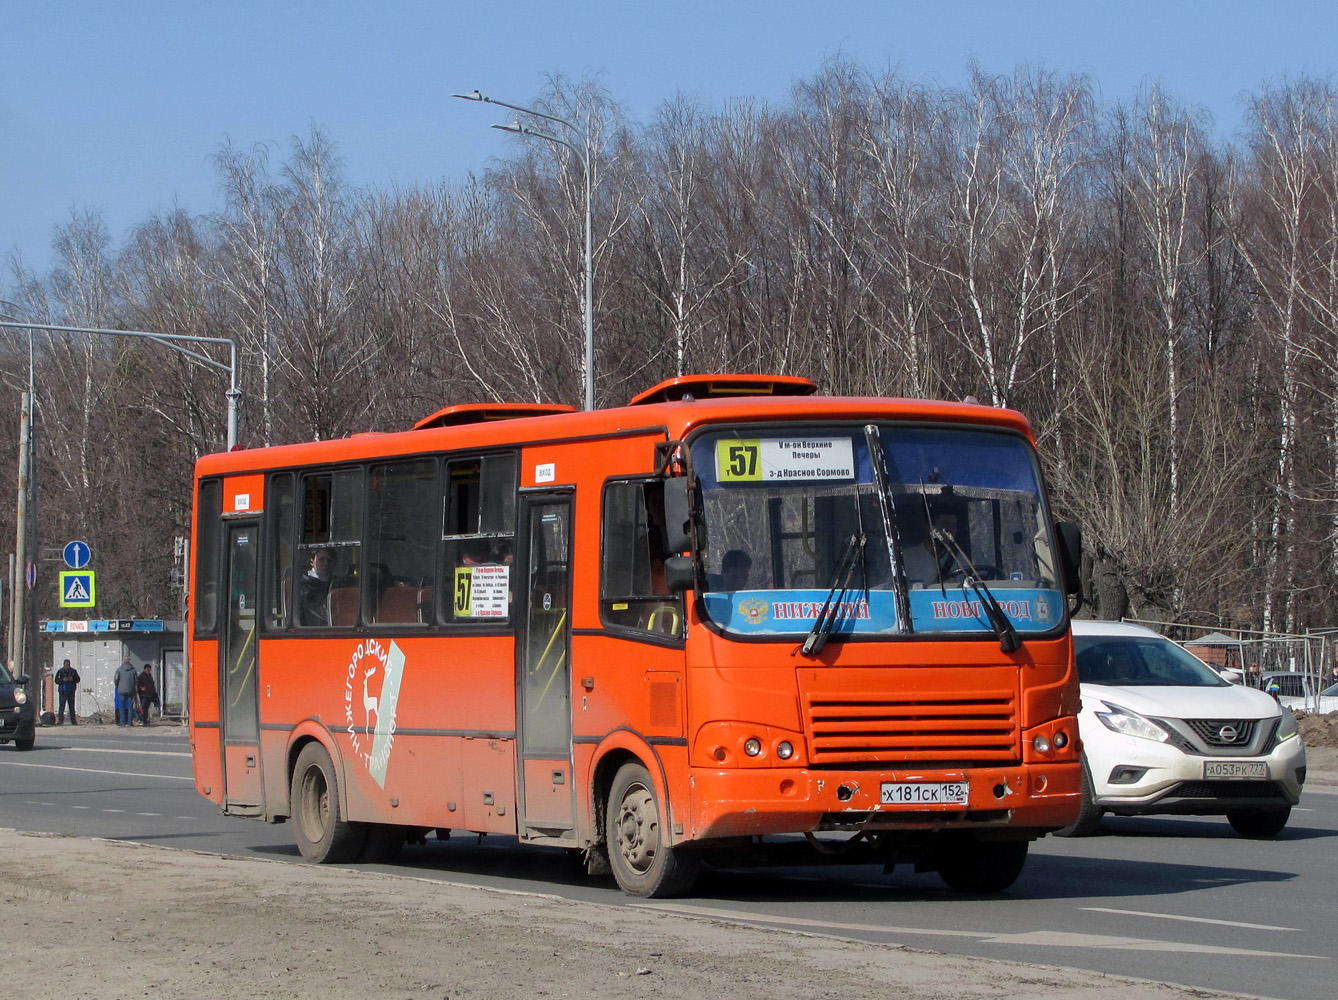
x: 796, y: 520
x: 1330, y: 692
x: 1140, y: 661
x: 5, y: 676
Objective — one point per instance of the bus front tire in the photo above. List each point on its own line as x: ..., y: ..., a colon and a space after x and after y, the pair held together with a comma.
x: 983, y: 866
x: 322, y: 833
x: 642, y: 862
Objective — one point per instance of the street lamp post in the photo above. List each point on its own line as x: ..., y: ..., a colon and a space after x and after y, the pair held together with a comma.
x: 22, y: 652
x: 172, y: 340
x: 583, y: 157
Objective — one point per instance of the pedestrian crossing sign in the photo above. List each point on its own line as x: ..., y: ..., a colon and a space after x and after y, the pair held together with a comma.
x: 77, y: 589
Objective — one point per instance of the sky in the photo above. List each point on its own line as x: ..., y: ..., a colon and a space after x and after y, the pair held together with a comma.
x: 117, y: 106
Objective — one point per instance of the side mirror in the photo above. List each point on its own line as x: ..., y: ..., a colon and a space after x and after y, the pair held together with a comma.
x: 679, y: 574
x: 679, y: 511
x: 21, y: 679
x: 1070, y: 554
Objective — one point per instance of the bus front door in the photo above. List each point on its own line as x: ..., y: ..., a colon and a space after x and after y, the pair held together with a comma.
x: 543, y: 670
x: 238, y: 661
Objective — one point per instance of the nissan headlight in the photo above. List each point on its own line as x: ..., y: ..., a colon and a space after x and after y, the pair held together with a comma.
x: 1288, y: 729
x: 21, y: 697
x: 1127, y: 723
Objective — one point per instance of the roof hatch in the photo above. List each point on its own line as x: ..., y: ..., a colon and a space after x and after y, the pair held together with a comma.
x: 482, y: 413
x: 723, y: 386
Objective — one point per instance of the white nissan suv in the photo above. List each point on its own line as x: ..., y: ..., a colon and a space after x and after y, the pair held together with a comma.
x: 1163, y: 733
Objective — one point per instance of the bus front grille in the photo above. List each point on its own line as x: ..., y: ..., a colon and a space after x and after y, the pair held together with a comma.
x: 941, y: 729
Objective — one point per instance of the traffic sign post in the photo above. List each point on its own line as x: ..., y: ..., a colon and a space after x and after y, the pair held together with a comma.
x: 77, y: 554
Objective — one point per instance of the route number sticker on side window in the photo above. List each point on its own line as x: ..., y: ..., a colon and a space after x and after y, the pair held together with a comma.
x: 784, y: 460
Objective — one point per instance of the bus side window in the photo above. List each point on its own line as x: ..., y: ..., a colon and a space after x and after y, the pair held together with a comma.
x: 279, y: 509
x: 401, y: 541
x: 330, y: 548
x: 633, y: 594
x: 478, y: 531
x: 208, y: 527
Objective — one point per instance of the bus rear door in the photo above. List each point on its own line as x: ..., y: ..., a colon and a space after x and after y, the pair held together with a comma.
x: 238, y: 662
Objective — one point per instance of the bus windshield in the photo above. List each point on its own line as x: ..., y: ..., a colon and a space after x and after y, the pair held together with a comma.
x: 800, y: 518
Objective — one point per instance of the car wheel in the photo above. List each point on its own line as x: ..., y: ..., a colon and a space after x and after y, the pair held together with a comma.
x: 1259, y: 824
x: 1089, y: 816
x: 25, y: 742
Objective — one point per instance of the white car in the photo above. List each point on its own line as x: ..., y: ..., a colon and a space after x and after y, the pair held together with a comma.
x: 1326, y: 702
x: 1163, y: 733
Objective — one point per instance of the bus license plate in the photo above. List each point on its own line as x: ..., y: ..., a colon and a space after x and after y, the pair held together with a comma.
x: 925, y: 793
x: 1235, y: 769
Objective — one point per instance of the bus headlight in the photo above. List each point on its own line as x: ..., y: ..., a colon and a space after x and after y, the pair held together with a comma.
x: 1041, y: 744
x: 1061, y: 740
x: 753, y: 746
x: 784, y: 750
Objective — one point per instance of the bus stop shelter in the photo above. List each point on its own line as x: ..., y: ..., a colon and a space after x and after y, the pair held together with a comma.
x: 95, y: 649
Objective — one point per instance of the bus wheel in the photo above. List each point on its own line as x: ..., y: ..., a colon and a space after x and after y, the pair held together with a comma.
x: 322, y: 834
x: 982, y: 866
x: 642, y: 862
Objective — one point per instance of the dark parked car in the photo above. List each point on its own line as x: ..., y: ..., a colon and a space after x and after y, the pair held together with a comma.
x: 18, y: 716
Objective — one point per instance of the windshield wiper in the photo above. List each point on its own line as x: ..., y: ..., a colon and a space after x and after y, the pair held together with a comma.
x: 1003, y: 628
x: 831, y: 608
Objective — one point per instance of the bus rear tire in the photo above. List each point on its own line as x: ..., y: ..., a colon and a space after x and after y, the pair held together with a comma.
x: 983, y: 866
x: 322, y: 833
x: 642, y: 862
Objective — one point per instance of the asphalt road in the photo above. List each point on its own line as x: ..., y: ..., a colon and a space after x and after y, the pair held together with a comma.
x: 1176, y: 900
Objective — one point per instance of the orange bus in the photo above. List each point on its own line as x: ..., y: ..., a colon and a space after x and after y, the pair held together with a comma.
x: 733, y: 620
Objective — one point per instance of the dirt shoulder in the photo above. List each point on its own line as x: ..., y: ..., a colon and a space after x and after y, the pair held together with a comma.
x: 98, y: 919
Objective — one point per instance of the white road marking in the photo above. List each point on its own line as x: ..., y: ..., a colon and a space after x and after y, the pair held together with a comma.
x: 81, y: 807
x: 91, y: 770
x: 1064, y: 939
x: 148, y: 814
x: 142, y: 753
x: 113, y: 810
x: 1195, y: 920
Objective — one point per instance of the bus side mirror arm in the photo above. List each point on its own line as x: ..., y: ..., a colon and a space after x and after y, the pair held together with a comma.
x: 1069, y: 536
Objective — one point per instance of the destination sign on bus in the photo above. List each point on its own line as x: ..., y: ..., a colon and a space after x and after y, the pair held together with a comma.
x: 784, y: 459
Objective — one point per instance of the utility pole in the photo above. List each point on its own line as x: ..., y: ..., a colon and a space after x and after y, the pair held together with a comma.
x: 17, y: 632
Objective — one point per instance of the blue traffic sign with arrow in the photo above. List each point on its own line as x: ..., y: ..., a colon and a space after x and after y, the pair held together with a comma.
x: 77, y: 554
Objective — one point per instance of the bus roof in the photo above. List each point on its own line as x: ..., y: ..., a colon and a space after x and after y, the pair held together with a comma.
x: 674, y: 420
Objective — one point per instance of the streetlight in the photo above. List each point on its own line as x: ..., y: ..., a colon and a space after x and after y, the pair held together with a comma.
x: 588, y: 364
x: 172, y: 340
x: 27, y: 501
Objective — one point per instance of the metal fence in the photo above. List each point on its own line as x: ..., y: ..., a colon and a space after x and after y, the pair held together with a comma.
x: 1300, y: 665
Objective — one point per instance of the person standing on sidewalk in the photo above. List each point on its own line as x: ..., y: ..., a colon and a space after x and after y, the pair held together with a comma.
x: 125, y: 691
x: 147, y: 692
x: 67, y: 682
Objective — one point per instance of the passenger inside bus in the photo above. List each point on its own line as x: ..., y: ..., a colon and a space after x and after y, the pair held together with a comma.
x: 315, y: 588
